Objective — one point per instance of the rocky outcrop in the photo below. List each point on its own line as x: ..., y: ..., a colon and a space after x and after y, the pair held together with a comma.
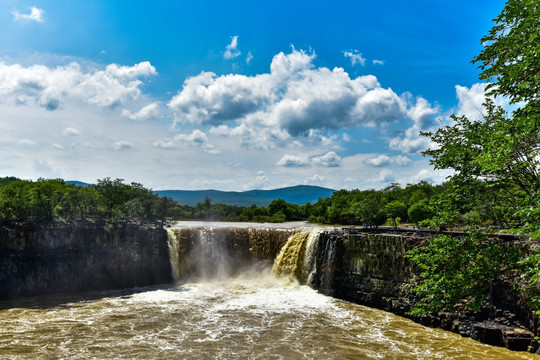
x: 81, y: 256
x: 372, y: 269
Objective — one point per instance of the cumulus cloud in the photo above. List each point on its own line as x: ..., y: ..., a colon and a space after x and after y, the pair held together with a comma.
x: 330, y: 159
x: 35, y: 15
x: 122, y: 145
x: 314, y: 179
x: 294, y: 161
x: 231, y: 51
x: 471, y: 101
x: 384, y: 160
x: 49, y: 87
x: 425, y: 118
x: 293, y: 99
x: 197, y: 138
x: 355, y: 56
x: 378, y: 62
x: 385, y: 175
x: 71, y: 132
x: 148, y: 112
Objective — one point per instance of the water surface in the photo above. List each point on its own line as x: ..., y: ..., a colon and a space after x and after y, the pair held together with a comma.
x: 257, y: 317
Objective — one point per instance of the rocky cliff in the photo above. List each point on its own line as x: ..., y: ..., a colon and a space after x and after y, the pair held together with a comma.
x: 81, y: 256
x: 372, y: 269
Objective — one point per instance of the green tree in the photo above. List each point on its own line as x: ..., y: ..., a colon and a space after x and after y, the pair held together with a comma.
x: 460, y: 272
x: 114, y: 193
x: 395, y: 209
x: 420, y: 211
x: 164, y: 208
x: 15, y: 200
x: 496, y: 163
x: 46, y: 197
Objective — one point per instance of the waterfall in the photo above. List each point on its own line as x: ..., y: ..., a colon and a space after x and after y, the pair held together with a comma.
x: 173, y: 255
x: 214, y: 252
x: 297, y: 258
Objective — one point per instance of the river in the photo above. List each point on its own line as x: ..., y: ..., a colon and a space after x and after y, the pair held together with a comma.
x: 251, y: 315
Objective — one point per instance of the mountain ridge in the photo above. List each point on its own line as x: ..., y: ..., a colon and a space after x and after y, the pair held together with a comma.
x: 297, y: 194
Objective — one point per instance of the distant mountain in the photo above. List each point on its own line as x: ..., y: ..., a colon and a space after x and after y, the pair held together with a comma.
x: 299, y: 194
x: 77, y: 183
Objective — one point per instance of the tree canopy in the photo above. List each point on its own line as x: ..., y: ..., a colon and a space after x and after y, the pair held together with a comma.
x: 496, y: 166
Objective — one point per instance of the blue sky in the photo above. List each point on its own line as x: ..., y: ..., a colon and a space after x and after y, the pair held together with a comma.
x: 234, y: 95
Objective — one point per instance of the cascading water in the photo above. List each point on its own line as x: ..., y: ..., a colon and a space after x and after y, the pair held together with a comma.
x: 173, y: 254
x: 207, y: 252
x: 297, y: 258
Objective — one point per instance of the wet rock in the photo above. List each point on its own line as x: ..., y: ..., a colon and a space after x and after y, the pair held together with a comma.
x: 501, y: 335
x: 519, y: 339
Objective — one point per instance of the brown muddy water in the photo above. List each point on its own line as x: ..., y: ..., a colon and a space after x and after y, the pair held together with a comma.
x: 247, y: 317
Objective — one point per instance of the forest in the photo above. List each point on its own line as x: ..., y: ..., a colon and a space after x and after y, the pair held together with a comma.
x: 47, y: 200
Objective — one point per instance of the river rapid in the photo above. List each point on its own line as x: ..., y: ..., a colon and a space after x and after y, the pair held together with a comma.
x: 246, y: 317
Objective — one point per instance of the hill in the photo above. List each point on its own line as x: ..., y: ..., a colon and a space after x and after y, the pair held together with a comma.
x: 299, y: 194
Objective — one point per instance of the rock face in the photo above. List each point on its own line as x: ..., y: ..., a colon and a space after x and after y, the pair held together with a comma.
x: 369, y: 269
x: 80, y: 257
x: 372, y: 269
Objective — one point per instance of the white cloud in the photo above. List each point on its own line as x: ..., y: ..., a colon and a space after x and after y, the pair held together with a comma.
x: 231, y: 51
x: 425, y: 118
x: 378, y: 62
x: 355, y: 56
x: 71, y: 132
x: 384, y: 160
x: 294, y: 161
x: 423, y: 174
x: 196, y: 138
x: 50, y: 87
x: 122, y: 145
x: 26, y: 142
x: 330, y: 159
x: 35, y: 15
x: 471, y: 101
x: 249, y: 57
x: 148, y: 112
x: 314, y: 179
x: 385, y: 175
x: 292, y: 100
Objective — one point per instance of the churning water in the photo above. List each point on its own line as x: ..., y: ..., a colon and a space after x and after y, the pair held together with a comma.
x: 251, y: 315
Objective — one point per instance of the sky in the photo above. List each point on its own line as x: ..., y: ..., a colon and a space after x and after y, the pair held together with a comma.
x: 235, y: 95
